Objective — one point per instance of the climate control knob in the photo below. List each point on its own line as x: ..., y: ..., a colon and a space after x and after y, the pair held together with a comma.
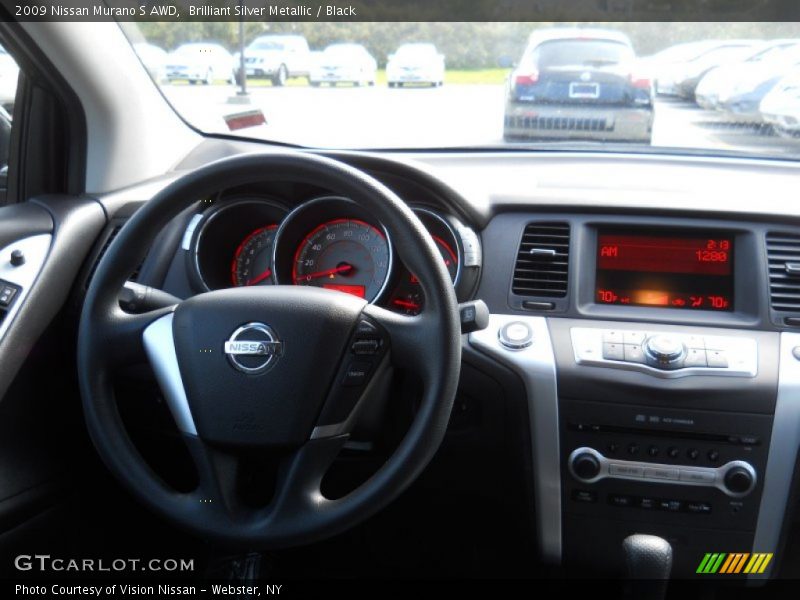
x: 740, y: 479
x: 584, y: 466
x: 664, y: 350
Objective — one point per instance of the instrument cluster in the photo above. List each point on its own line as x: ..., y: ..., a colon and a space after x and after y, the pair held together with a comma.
x: 328, y: 242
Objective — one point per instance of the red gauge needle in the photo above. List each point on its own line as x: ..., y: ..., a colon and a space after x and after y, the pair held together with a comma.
x: 405, y: 304
x: 340, y: 269
x: 258, y: 279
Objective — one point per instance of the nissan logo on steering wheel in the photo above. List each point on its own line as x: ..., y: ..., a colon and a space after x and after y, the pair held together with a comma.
x: 253, y: 348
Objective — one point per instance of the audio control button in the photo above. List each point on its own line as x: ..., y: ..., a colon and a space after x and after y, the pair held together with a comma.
x: 585, y: 496
x: 704, y: 477
x: 661, y: 473
x: 701, y: 508
x: 585, y: 466
x: 740, y: 479
x: 670, y: 505
x: 620, y: 500
x: 623, y: 470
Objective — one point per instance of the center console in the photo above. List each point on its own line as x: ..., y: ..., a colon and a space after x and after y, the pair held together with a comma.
x: 661, y: 389
x: 672, y: 440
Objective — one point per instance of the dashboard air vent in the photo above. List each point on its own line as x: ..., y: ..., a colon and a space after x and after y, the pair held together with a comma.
x: 543, y: 261
x: 783, y: 256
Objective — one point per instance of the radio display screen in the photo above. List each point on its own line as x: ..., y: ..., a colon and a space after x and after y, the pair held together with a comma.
x: 690, y: 272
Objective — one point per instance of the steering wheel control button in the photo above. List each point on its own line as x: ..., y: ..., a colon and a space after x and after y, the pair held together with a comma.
x: 17, y: 258
x: 516, y: 335
x: 613, y: 351
x: 664, y: 351
x: 356, y: 374
x: 368, y: 346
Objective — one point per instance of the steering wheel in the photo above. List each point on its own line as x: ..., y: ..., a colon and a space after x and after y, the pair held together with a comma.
x: 268, y: 369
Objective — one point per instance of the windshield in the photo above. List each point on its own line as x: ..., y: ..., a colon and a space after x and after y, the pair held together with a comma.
x: 563, y: 53
x: 629, y: 85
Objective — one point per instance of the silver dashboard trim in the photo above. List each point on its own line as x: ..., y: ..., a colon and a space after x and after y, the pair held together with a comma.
x: 536, y: 367
x: 35, y: 248
x: 159, y: 344
x: 783, y: 447
x: 715, y: 475
x: 188, y: 234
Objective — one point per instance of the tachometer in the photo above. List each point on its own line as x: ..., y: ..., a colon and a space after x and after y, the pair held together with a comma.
x: 407, y: 297
x: 252, y: 263
x: 348, y: 255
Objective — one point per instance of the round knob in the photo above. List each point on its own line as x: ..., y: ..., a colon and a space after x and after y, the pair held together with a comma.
x: 585, y: 466
x: 740, y: 480
x: 664, y: 349
x: 516, y: 335
x: 17, y: 258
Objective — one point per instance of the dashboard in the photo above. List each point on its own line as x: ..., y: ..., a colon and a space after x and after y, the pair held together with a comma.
x: 651, y: 328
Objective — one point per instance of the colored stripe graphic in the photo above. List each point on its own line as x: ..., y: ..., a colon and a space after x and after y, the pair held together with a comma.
x: 733, y: 563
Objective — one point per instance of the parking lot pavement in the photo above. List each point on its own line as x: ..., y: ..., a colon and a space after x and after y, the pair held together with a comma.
x: 453, y: 115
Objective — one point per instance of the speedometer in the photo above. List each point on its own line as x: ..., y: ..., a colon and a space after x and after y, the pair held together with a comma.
x: 348, y: 255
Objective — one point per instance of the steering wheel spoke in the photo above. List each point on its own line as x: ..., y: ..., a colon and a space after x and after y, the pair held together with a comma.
x: 298, y: 490
x: 122, y: 335
x: 411, y: 339
x: 217, y: 471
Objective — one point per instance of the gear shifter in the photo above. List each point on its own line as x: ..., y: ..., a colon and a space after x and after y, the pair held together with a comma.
x: 649, y: 561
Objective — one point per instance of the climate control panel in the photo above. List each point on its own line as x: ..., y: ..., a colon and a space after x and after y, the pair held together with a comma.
x: 665, y: 354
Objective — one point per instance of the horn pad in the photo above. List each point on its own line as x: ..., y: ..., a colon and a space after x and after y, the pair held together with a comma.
x: 257, y: 363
